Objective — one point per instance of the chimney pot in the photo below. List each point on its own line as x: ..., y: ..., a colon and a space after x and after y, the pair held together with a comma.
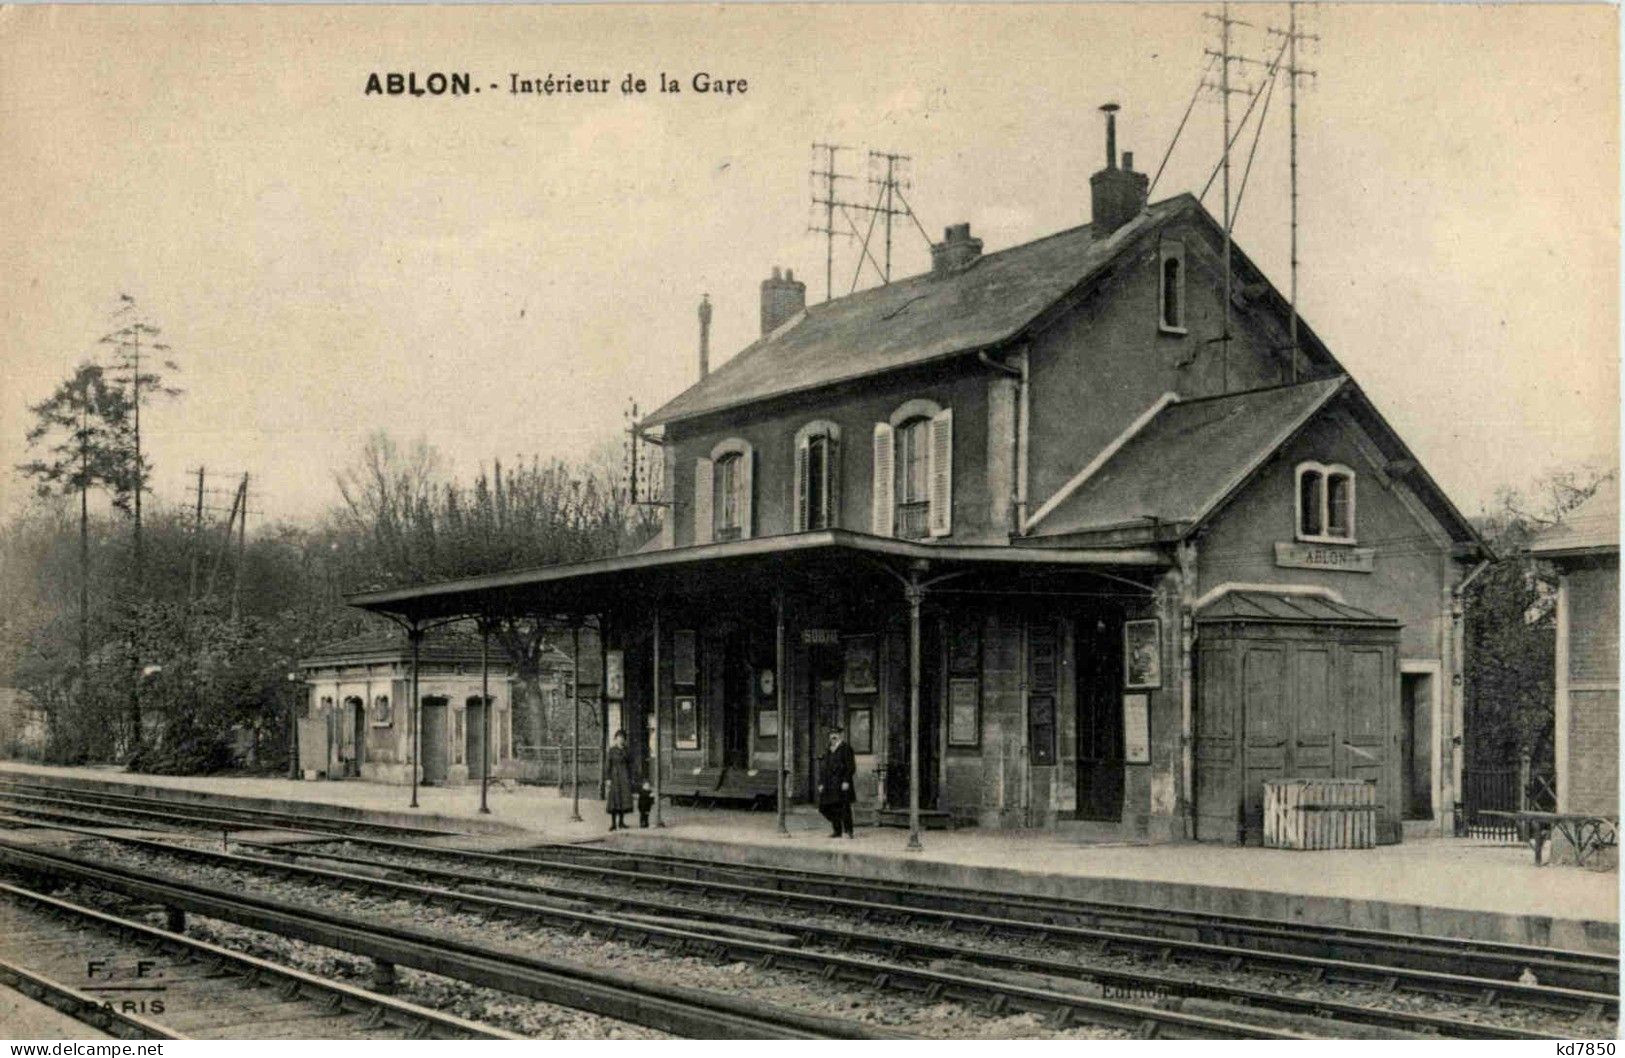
x: 705, y: 335
x: 1116, y: 196
x: 956, y: 251
x: 783, y: 295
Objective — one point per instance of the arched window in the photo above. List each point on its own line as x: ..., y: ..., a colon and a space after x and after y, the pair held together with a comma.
x: 723, y: 493
x: 1325, y: 503
x: 913, y: 472
x: 1171, y: 316
x: 818, y: 476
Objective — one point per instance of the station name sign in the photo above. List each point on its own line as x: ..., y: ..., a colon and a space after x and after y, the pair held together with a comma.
x: 1295, y: 555
x: 820, y: 636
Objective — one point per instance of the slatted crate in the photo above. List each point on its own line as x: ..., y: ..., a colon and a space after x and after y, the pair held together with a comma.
x: 1320, y: 814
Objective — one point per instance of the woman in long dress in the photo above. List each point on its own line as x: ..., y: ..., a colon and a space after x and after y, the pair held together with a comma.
x: 618, y: 798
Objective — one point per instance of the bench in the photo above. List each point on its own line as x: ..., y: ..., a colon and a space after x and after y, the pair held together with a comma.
x: 1588, y: 833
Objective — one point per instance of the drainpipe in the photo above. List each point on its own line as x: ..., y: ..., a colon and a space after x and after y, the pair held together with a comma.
x: 1018, y: 439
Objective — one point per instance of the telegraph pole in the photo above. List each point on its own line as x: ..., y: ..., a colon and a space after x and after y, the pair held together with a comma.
x: 1294, y: 71
x: 828, y: 175
x: 1226, y: 24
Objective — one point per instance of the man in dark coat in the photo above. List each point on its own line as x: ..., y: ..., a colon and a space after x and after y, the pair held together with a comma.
x: 619, y: 772
x: 835, y: 771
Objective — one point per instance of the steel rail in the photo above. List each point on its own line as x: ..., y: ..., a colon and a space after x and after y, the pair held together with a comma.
x: 669, y: 1008
x: 336, y: 997
x: 922, y: 949
x: 1603, y: 967
x: 1482, y: 990
x: 82, y: 1006
x: 1568, y: 968
x: 999, y: 996
x: 221, y: 814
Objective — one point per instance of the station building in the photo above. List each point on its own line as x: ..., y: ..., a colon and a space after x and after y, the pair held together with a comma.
x: 357, y: 720
x: 1058, y: 536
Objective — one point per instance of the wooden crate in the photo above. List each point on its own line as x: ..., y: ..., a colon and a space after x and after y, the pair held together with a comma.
x: 1320, y: 814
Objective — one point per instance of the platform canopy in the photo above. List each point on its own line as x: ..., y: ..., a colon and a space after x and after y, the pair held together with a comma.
x: 623, y: 581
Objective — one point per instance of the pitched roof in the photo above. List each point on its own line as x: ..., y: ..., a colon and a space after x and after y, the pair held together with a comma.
x: 1278, y: 607
x: 1591, y: 528
x: 443, y: 644
x: 1188, y: 458
x: 917, y: 320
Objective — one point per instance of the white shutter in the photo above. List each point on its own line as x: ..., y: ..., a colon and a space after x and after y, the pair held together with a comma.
x: 803, y: 516
x: 702, y: 501
x: 745, y: 481
x: 880, y: 512
x: 939, y: 471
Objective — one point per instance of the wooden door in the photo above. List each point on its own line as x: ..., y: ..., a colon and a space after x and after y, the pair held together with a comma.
x: 1313, y: 716
x: 1099, y: 649
x: 432, y: 740
x: 1266, y: 723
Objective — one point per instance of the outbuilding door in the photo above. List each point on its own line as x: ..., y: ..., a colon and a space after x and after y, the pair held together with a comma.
x: 1291, y: 700
x: 432, y: 738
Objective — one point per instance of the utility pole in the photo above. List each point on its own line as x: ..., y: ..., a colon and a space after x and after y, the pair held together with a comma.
x: 242, y: 545
x: 829, y: 175
x: 1294, y: 71
x: 197, y: 540
x: 1226, y: 24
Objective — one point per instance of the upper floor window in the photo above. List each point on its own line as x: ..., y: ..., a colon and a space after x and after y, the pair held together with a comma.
x: 818, y: 476
x: 1325, y: 502
x: 723, y: 493
x: 1172, y: 288
x: 913, y: 472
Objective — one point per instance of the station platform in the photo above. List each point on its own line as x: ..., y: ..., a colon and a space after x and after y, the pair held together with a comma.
x: 1436, y: 886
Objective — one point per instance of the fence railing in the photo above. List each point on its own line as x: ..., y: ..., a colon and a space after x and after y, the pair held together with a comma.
x: 1501, y: 788
x: 551, y: 765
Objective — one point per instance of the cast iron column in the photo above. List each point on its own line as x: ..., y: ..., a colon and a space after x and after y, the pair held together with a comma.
x: 414, y: 635
x: 915, y: 594
x: 654, y: 697
x: 784, y: 726
x: 485, y: 715
x: 575, y: 738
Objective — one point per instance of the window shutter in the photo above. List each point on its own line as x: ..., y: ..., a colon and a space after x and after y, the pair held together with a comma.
x: 803, y: 516
x: 832, y: 483
x: 880, y: 512
x: 747, y: 492
x: 702, y: 501
x: 940, y: 473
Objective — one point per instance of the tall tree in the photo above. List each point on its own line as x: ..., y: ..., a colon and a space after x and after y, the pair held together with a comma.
x: 81, y: 427
x: 132, y: 337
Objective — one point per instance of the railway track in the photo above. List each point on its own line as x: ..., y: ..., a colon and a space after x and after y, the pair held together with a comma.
x: 136, y: 982
x: 968, y: 981
x: 908, y: 903
x: 668, y: 1008
x: 1590, y: 980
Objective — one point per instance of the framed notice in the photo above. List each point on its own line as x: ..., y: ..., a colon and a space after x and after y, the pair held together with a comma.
x: 1142, y: 653
x: 964, y: 711
x: 686, y: 729
x: 767, y: 723
x: 381, y: 716
x: 1137, y: 728
x: 614, y: 674
x: 860, y: 730
x: 859, y: 675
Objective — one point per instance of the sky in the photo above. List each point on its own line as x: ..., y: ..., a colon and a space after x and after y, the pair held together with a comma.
x: 501, y: 274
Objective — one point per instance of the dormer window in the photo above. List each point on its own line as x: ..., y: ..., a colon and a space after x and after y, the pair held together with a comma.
x: 818, y: 476
x: 1171, y: 302
x: 723, y: 493
x: 1325, y: 503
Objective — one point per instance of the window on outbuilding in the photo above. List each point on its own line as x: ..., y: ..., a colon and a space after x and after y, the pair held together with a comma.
x: 1325, y: 503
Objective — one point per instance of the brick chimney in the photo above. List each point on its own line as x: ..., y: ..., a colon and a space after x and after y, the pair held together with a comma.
x: 782, y: 297
x: 956, y: 250
x: 705, y: 335
x: 1116, y: 195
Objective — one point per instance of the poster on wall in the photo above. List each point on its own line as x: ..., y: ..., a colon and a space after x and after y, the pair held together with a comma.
x: 614, y: 674
x: 860, y: 676
x: 687, y: 730
x: 1142, y: 653
x: 964, y: 708
x: 767, y: 724
x: 1137, y: 728
x: 381, y: 716
x: 860, y: 730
